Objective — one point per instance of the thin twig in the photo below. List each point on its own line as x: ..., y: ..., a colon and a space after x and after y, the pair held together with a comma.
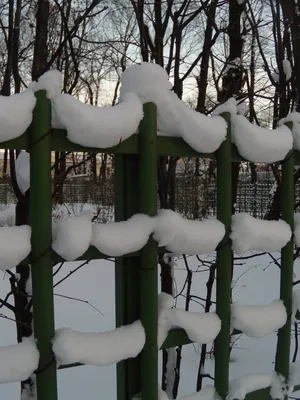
x: 275, y: 261
x: 14, y: 320
x: 248, y: 257
x: 81, y: 300
x: 72, y: 272
x: 59, y: 268
x: 296, y: 342
x: 6, y: 304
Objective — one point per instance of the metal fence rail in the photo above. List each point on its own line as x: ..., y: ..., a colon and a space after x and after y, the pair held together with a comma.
x: 136, y: 275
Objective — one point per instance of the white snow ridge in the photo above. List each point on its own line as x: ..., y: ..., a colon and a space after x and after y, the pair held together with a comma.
x: 118, y: 238
x: 182, y: 236
x: 100, y: 349
x: 98, y: 127
x: 258, y: 321
x: 15, y: 245
x: 72, y: 236
x: 18, y: 361
x: 249, y: 233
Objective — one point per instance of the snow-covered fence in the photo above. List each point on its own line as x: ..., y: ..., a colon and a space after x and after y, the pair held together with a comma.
x: 149, y: 121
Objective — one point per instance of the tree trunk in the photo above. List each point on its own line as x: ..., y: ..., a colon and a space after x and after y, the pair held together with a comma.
x: 202, y: 79
x: 233, y: 80
x: 4, y: 170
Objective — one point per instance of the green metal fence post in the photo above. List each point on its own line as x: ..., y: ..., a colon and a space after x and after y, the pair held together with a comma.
x: 148, y: 259
x: 282, y: 360
x: 127, y: 274
x: 132, y: 264
x: 41, y: 256
x: 120, y: 277
x: 224, y: 263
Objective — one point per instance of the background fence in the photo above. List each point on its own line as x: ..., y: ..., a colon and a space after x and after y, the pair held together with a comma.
x: 253, y: 198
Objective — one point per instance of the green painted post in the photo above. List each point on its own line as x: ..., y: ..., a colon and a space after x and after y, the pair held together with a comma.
x: 41, y: 256
x: 132, y: 265
x: 148, y: 267
x: 282, y: 360
x: 127, y: 270
x: 120, y: 277
x: 224, y: 263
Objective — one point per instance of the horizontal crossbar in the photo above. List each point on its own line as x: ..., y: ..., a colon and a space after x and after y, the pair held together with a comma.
x: 91, y: 254
x: 166, y: 146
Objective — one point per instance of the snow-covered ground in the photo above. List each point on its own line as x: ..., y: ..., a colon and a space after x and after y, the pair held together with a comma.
x: 256, y: 282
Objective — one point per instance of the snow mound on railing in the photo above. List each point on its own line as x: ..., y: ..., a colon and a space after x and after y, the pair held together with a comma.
x: 72, y: 236
x: 92, y: 126
x: 147, y: 80
x: 15, y: 245
x: 118, y: 238
x: 55, y: 123
x: 257, y: 144
x: 240, y: 387
x: 19, y: 361
x: 15, y: 114
x: 293, y: 117
x: 183, y: 236
x: 201, y: 328
x: 230, y: 106
x: 258, y: 321
x: 106, y: 127
x: 151, y: 83
x: 23, y: 171
x: 165, y: 303
x: 204, y: 134
x: 249, y: 233
x: 50, y: 81
x: 100, y: 349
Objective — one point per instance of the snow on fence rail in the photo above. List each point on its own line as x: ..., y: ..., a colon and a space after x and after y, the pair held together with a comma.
x: 107, y: 127
x: 73, y: 236
x: 135, y: 194
x: 105, y: 348
x: 18, y: 362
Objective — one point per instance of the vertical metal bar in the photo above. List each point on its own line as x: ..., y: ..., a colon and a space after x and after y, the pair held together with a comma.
x: 132, y: 265
x: 41, y: 256
x: 127, y: 270
x: 224, y: 263
x: 120, y: 289
x: 282, y: 360
x: 148, y: 267
x: 131, y: 208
